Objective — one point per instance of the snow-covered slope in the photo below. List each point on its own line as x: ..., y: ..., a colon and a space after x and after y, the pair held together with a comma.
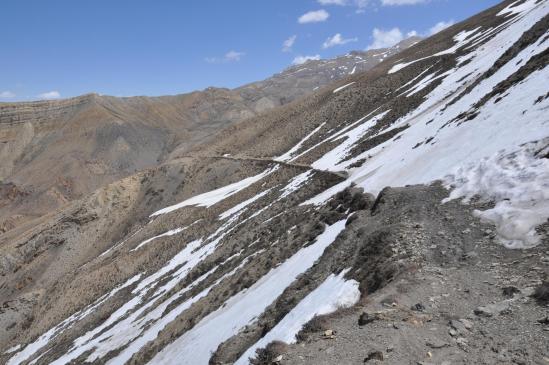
x: 221, y: 272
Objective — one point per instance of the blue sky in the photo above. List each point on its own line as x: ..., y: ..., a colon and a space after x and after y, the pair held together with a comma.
x: 64, y: 48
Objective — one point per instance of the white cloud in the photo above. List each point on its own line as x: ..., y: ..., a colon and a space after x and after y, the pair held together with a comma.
x: 6, y: 95
x: 362, y: 3
x: 332, y: 2
x: 337, y: 40
x: 302, y: 59
x: 50, y: 95
x: 385, y: 38
x: 231, y: 56
x: 440, y: 26
x: 402, y: 2
x: 288, y: 44
x: 314, y: 17
x: 359, y: 4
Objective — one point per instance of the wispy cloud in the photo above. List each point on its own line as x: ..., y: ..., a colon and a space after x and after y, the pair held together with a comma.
x: 314, y: 17
x: 332, y: 2
x: 231, y: 56
x: 402, y: 2
x: 337, y: 40
x: 440, y: 26
x: 50, y: 95
x: 7, y: 95
x: 288, y: 44
x: 385, y: 38
x: 302, y: 59
x: 234, y: 56
x: 360, y: 5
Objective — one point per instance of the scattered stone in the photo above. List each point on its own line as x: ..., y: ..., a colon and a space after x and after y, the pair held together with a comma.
x: 365, y: 319
x: 278, y: 359
x: 458, y: 326
x: 329, y: 334
x: 374, y: 355
x: 436, y: 344
x: 510, y: 291
x: 467, y: 323
x: 418, y: 307
x: 471, y: 255
x: 541, y: 294
x: 491, y: 310
x: 462, y: 342
x: 453, y: 332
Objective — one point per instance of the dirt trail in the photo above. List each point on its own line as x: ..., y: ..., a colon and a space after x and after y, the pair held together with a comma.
x: 341, y: 174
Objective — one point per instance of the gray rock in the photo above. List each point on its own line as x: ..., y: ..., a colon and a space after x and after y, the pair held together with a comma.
x: 491, y: 310
x: 436, y: 344
x: 467, y: 323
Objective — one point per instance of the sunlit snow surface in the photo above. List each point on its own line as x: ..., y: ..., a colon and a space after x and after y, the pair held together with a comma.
x: 332, y: 294
x: 288, y: 155
x: 519, y: 184
x: 43, y: 340
x: 343, y: 87
x: 196, y: 345
x: 215, y: 196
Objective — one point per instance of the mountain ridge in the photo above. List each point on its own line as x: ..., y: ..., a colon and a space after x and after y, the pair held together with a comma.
x: 102, y: 138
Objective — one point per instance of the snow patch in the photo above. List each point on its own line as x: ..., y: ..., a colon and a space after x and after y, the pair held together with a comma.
x: 461, y: 39
x: 215, y: 196
x: 165, y: 234
x: 295, y: 183
x: 518, y: 183
x: 334, y: 293
x: 239, y: 208
x: 332, y: 158
x: 44, y: 339
x: 516, y: 8
x: 343, y: 87
x: 12, y: 349
x: 196, y: 345
x: 288, y: 155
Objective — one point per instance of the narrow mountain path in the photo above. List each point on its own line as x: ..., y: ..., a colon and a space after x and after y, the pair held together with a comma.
x: 341, y: 174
